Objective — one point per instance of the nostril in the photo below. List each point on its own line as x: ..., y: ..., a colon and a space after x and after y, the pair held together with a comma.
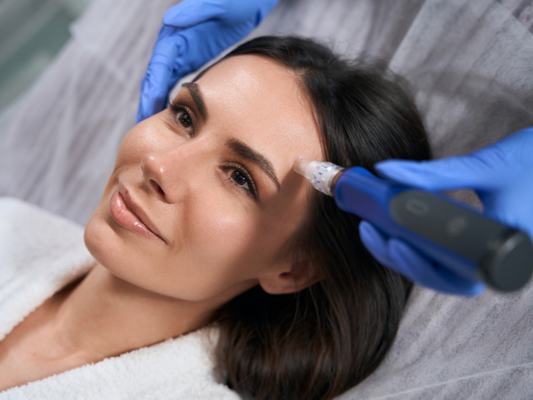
x: 156, y: 187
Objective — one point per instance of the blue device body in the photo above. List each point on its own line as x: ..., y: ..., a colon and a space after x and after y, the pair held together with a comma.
x: 359, y: 192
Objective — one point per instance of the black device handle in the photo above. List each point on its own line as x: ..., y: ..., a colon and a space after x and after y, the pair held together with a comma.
x: 503, y: 255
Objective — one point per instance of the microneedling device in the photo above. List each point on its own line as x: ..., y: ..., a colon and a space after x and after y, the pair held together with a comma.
x: 456, y: 237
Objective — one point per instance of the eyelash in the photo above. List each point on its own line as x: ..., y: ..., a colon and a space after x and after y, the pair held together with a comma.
x: 233, y: 166
x: 177, y: 108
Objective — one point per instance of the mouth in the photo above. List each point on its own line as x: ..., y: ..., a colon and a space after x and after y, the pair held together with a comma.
x: 131, y: 216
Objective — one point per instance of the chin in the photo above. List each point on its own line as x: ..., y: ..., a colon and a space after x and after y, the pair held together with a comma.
x: 122, y: 254
x: 100, y: 239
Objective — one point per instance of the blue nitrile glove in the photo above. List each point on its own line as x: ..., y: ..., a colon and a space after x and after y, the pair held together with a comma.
x: 502, y: 176
x: 193, y: 33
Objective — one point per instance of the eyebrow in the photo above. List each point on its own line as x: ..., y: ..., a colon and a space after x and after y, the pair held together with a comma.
x: 196, y: 95
x: 251, y: 155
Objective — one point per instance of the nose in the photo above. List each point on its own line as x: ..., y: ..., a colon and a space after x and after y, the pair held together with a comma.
x: 165, y: 175
x: 153, y: 172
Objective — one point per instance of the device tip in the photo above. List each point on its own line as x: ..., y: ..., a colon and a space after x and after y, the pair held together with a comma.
x: 300, y: 165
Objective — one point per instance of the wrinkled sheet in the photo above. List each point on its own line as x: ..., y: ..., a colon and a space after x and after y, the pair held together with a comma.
x: 470, y: 66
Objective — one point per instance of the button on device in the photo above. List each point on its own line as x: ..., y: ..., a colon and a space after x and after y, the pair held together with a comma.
x: 456, y: 225
x: 417, y: 207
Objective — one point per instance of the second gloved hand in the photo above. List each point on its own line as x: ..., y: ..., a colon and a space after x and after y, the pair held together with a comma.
x: 502, y: 176
x: 193, y: 33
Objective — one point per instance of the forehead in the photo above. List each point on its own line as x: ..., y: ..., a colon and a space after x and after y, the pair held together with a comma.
x: 261, y: 102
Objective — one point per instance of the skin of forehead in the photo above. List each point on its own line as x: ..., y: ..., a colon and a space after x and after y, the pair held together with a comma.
x: 261, y: 93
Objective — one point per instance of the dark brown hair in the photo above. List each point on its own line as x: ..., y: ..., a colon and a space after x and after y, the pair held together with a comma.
x: 323, y: 340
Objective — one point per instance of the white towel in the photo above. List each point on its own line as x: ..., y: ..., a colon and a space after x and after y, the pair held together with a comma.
x: 40, y: 253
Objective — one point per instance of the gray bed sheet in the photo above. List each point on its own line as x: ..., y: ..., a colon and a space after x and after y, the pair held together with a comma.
x: 470, y: 65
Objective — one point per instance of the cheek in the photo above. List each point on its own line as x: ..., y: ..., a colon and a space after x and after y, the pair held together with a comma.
x: 232, y: 242
x: 133, y: 146
x: 222, y: 232
x: 146, y: 137
x: 100, y: 239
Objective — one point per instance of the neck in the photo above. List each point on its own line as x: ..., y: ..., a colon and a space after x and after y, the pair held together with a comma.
x: 105, y: 316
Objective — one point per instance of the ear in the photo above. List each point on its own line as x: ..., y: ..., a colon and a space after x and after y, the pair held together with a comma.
x: 290, y: 279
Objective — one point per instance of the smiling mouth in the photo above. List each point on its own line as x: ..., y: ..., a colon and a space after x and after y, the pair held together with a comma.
x: 130, y: 216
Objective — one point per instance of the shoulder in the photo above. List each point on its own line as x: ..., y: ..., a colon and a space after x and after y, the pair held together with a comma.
x: 181, y: 368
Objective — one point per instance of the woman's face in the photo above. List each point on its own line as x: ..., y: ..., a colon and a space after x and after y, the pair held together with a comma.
x: 203, y: 200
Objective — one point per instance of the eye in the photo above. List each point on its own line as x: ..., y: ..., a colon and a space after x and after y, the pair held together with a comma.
x: 183, y: 116
x: 184, y: 119
x: 240, y: 178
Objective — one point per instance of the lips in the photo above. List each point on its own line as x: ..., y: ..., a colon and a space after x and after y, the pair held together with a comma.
x: 130, y: 216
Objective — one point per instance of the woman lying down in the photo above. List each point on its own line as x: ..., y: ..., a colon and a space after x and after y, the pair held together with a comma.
x: 204, y: 223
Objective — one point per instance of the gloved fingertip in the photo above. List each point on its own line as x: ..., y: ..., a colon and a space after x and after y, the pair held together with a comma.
x: 193, y: 12
x: 398, y: 249
x: 179, y: 18
x: 375, y: 243
x: 175, y: 14
x: 171, y: 17
x: 365, y: 227
x: 431, y: 276
x: 397, y: 170
x: 476, y: 289
x: 370, y: 236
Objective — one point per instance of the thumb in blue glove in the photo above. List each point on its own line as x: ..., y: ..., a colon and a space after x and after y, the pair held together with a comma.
x: 502, y: 176
x: 194, y: 32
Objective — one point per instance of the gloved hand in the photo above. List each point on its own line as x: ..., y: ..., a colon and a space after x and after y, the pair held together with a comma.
x: 194, y: 32
x: 502, y: 176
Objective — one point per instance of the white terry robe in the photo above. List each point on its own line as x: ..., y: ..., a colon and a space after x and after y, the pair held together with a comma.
x: 39, y: 254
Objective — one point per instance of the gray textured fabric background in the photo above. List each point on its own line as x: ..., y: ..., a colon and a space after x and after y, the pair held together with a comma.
x: 470, y: 65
